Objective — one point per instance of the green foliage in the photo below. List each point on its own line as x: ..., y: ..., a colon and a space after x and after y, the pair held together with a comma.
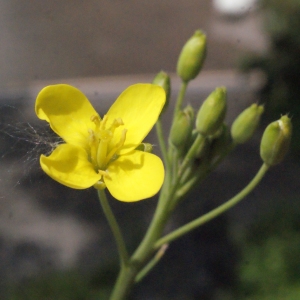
x: 270, y: 263
x: 281, y: 63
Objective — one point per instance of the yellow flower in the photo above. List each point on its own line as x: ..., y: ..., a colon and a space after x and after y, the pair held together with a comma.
x: 101, y: 152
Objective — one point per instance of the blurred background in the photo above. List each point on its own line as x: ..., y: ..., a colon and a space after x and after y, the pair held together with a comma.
x: 54, y: 241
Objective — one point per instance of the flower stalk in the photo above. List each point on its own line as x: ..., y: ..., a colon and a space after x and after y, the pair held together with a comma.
x: 123, y: 254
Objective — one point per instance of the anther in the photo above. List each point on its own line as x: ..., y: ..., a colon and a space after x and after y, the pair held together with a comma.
x: 116, y: 123
x: 93, y: 145
x: 96, y: 119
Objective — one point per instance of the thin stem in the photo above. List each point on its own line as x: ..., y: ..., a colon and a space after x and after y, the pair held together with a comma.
x: 197, y: 176
x: 197, y: 145
x: 162, y: 144
x: 180, y: 97
x: 175, y: 163
x: 215, y: 212
x: 123, y: 254
x: 201, y: 173
x: 152, y: 263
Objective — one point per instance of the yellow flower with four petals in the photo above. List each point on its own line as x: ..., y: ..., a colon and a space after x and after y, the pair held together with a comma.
x: 99, y: 151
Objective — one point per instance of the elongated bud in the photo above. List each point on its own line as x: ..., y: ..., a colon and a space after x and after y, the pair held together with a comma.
x: 212, y: 112
x: 163, y: 79
x: 145, y: 147
x: 246, y: 123
x: 182, y: 127
x: 192, y: 56
x: 276, y: 140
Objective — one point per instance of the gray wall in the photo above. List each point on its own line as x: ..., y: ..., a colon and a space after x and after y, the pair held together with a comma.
x: 73, y: 38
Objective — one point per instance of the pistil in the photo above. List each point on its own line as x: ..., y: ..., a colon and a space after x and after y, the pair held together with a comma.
x: 104, y: 136
x: 117, y: 147
x: 99, y: 141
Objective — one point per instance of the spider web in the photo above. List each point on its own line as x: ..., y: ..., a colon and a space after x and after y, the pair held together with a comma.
x: 23, y: 142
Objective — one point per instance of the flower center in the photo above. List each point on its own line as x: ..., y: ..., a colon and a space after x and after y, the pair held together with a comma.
x: 101, y: 150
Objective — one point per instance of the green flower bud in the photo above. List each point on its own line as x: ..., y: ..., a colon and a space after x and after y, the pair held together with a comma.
x: 246, y: 123
x: 145, y: 147
x: 163, y: 79
x: 212, y: 112
x: 192, y: 56
x: 276, y: 140
x: 182, y: 127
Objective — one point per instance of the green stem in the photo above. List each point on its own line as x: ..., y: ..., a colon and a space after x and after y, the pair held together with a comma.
x: 188, y: 184
x: 180, y: 97
x: 215, y: 212
x: 152, y: 263
x: 175, y: 163
x: 197, y: 145
x: 123, y: 254
x: 201, y: 173
x: 124, y: 282
x: 157, y: 225
x: 162, y: 144
x: 144, y: 251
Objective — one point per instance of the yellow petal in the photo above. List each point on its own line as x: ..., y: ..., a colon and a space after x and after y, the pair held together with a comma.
x: 68, y: 111
x: 139, y: 107
x: 135, y: 176
x: 69, y: 165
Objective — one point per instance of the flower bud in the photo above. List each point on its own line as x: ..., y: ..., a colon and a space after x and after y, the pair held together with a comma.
x: 276, y: 140
x: 182, y: 127
x: 246, y: 123
x: 212, y: 112
x: 192, y: 56
x: 145, y: 147
x: 163, y: 79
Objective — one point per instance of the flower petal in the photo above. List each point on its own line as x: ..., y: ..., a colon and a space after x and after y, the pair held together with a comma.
x: 69, y: 165
x: 139, y: 107
x: 136, y: 176
x: 68, y: 111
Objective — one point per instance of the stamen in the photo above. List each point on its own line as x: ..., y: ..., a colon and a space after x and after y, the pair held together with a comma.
x: 99, y: 140
x: 103, y: 122
x: 116, y: 123
x: 96, y: 119
x: 122, y: 139
x: 93, y: 146
x: 117, y: 147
